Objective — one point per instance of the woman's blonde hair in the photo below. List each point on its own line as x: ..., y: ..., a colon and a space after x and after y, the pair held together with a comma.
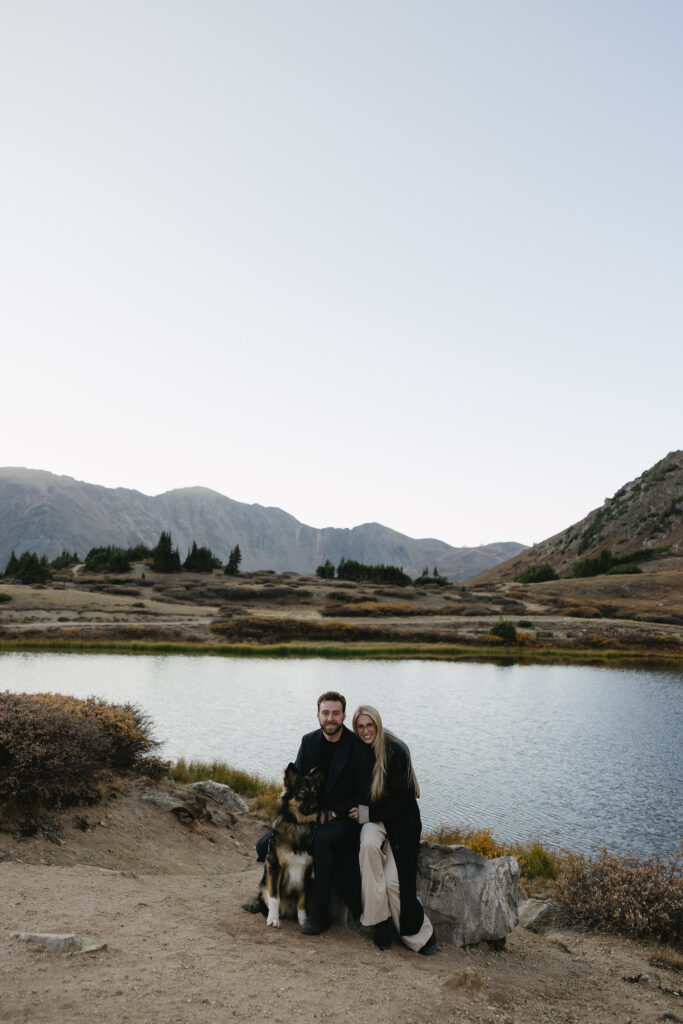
x: 379, y: 746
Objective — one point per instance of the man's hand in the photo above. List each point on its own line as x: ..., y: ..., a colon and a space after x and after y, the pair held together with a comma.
x: 353, y: 813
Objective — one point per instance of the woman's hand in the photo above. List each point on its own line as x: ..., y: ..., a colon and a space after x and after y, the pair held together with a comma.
x: 353, y: 813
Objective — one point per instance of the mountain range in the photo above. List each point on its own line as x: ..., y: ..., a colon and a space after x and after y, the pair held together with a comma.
x: 48, y: 514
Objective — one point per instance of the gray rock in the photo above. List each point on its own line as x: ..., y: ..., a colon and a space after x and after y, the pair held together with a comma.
x: 536, y: 915
x: 61, y: 943
x: 160, y: 800
x: 468, y: 898
x: 221, y: 794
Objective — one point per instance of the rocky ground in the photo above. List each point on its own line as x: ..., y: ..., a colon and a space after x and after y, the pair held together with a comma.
x: 630, y: 613
x: 165, y: 899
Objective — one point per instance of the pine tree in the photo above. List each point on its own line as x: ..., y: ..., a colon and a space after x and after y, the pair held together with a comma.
x: 233, y: 564
x: 12, y: 565
x: 165, y: 557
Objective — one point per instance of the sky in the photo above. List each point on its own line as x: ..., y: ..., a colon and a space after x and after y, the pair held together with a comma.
x: 411, y: 263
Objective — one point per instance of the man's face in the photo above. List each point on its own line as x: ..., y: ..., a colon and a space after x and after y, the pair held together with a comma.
x: 331, y: 717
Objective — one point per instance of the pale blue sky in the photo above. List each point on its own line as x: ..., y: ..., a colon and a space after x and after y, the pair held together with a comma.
x: 417, y: 263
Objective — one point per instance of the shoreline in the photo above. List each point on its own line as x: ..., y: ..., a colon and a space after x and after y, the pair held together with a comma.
x: 636, y: 658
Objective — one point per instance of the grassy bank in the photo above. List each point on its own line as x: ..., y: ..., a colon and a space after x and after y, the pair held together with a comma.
x: 433, y: 652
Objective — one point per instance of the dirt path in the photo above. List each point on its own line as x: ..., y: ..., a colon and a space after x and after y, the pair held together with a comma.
x: 167, y: 902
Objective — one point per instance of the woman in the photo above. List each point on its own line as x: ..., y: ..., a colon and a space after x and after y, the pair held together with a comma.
x: 390, y: 840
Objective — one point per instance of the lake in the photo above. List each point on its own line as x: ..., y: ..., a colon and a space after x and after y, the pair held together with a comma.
x: 578, y: 756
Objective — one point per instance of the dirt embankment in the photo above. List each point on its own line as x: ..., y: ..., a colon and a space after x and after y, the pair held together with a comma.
x: 166, y: 900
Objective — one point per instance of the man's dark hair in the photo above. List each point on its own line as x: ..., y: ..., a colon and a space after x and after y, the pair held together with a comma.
x: 332, y: 695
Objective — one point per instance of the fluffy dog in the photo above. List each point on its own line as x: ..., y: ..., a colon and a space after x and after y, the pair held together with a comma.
x: 289, y: 863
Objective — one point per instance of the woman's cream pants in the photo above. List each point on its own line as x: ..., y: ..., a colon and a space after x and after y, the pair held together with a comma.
x: 379, y: 884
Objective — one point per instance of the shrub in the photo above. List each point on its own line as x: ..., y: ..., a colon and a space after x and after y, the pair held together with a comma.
x: 54, y: 747
x: 505, y: 630
x: 47, y: 755
x: 269, y: 630
x: 535, y: 861
x: 626, y: 568
x: 126, y: 725
x: 639, y: 898
x: 525, y: 623
x: 537, y: 574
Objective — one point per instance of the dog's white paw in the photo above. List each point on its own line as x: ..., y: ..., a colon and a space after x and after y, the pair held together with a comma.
x: 273, y: 912
x: 301, y: 914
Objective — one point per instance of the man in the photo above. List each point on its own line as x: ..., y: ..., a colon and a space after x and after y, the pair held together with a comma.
x: 347, y: 766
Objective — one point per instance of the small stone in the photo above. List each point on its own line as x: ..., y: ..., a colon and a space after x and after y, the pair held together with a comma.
x: 61, y: 942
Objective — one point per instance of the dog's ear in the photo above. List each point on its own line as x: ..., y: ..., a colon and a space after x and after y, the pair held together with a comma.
x: 291, y: 776
x: 316, y: 776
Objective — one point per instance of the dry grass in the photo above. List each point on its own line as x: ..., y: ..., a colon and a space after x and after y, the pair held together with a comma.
x: 535, y: 860
x: 263, y: 792
x: 639, y: 898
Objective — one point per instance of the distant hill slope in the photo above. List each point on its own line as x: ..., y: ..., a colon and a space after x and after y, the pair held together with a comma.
x: 45, y: 513
x: 645, y: 513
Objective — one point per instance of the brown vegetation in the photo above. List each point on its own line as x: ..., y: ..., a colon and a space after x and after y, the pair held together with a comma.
x: 640, y: 898
x: 640, y: 613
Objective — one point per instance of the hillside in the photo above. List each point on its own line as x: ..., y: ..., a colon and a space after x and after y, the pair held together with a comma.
x: 646, y: 513
x: 48, y: 514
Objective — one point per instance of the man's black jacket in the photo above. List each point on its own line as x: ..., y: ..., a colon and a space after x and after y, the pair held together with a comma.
x: 348, y: 782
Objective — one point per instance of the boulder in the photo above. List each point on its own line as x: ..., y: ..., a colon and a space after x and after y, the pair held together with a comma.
x: 468, y: 898
x: 225, y: 797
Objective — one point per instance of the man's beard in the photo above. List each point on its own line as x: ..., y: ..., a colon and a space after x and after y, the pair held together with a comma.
x: 331, y: 729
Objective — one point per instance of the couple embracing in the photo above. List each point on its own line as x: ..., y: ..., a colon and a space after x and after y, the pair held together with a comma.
x: 368, y: 835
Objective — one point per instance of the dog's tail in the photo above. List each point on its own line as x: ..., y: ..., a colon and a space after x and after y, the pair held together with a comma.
x: 256, y: 906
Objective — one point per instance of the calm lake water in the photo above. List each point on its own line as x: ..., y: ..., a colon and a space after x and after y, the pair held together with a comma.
x: 580, y: 757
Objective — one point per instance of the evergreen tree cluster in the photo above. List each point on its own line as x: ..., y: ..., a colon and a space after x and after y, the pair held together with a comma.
x: 29, y: 568
x: 200, y: 559
x: 64, y: 560
x: 434, y: 580
x: 114, y: 559
x: 540, y: 573
x: 165, y: 558
x: 350, y: 569
x: 607, y: 562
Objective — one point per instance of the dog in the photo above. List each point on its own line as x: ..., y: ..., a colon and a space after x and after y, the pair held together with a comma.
x: 288, y: 870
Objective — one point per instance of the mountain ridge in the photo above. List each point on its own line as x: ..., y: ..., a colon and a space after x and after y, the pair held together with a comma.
x: 48, y: 513
x: 644, y: 513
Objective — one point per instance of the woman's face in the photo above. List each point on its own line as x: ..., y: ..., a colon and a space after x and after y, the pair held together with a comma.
x: 366, y: 728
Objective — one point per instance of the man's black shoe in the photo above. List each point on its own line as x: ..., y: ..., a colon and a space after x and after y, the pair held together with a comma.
x: 317, y: 922
x: 429, y: 947
x: 383, y: 934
